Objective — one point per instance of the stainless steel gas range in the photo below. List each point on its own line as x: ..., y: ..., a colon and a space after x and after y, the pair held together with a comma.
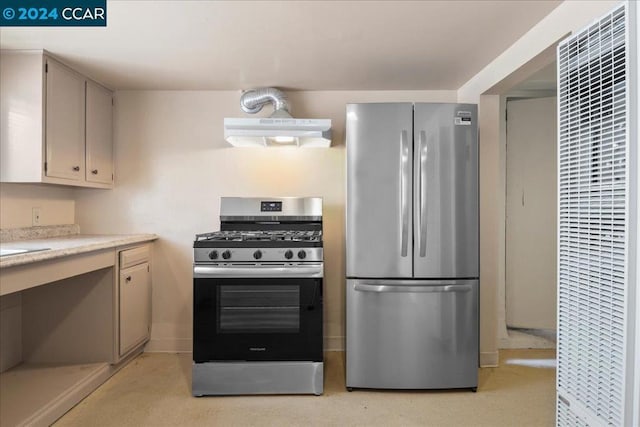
x: 257, y: 299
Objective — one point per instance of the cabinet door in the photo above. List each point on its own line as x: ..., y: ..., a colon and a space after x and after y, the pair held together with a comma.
x: 99, y: 143
x: 64, y: 135
x: 135, y: 306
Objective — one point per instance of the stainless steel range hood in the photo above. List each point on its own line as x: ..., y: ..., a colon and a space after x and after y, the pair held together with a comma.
x: 280, y: 129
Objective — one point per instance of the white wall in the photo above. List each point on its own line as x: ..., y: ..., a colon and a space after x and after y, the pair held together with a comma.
x: 172, y: 166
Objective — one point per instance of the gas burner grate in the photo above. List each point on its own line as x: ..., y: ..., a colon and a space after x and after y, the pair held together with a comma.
x: 261, y: 236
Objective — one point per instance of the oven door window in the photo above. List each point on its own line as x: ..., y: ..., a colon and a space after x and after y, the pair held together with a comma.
x: 255, y: 309
x: 257, y: 319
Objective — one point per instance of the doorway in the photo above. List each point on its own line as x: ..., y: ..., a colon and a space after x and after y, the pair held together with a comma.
x: 530, y: 213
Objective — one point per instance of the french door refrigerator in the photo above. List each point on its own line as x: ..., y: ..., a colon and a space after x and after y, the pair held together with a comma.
x: 412, y: 246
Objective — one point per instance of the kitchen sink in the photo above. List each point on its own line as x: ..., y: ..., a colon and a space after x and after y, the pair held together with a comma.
x: 6, y: 252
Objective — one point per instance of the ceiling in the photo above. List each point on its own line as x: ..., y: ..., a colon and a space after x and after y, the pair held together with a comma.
x: 293, y: 45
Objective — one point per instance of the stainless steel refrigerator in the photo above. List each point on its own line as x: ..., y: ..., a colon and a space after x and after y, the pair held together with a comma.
x: 412, y: 246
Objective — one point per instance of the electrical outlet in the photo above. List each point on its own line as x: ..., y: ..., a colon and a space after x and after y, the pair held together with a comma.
x: 35, y: 216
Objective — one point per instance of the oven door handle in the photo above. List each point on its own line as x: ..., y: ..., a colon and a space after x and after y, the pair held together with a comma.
x: 213, y: 271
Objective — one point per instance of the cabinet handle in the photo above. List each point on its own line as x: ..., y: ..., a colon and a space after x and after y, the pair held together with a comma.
x: 128, y: 278
x: 76, y: 168
x: 95, y: 171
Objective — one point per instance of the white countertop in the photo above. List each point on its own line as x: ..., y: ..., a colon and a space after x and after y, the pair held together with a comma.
x: 66, y: 246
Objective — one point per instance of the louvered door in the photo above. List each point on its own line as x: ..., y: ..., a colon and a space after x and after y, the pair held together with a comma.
x: 594, y: 306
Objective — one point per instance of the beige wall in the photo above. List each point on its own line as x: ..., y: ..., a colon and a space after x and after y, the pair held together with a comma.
x: 531, y: 233
x: 489, y: 227
x: 172, y: 166
x: 10, y: 330
x: 57, y: 205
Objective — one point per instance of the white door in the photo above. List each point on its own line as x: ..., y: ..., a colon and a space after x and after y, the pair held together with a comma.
x: 531, y: 246
x: 64, y: 122
x: 99, y: 134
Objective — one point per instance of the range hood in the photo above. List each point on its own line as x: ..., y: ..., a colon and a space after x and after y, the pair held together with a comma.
x: 280, y: 129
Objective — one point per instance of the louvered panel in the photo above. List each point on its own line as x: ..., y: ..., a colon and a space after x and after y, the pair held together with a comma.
x: 592, y: 240
x: 567, y: 418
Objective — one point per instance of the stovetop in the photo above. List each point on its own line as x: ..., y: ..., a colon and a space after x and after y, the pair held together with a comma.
x: 272, y: 235
x: 259, y: 238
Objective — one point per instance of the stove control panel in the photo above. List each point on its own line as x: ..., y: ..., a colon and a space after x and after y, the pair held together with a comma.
x: 252, y: 255
x: 270, y: 206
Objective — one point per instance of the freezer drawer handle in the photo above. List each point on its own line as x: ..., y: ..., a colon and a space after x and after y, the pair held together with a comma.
x: 404, y: 199
x: 412, y: 289
x: 422, y: 219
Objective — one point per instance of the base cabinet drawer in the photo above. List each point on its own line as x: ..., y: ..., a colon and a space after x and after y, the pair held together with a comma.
x: 135, y: 306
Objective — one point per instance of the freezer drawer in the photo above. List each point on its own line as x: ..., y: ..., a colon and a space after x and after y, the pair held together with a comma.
x: 412, y: 334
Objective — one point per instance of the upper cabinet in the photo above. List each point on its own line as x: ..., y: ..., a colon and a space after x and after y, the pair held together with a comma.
x: 64, y: 122
x: 99, y: 125
x: 56, y: 123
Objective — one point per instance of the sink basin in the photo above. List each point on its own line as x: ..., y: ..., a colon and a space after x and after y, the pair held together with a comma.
x: 5, y: 252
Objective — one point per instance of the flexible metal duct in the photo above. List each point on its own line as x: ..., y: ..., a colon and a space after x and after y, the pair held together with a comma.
x: 253, y: 100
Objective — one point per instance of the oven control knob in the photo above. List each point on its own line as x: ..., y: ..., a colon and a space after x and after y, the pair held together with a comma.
x: 213, y: 255
x: 226, y: 254
x: 302, y: 254
x: 288, y: 254
x: 257, y: 254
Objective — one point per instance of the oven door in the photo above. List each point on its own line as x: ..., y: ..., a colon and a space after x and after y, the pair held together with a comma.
x: 256, y: 318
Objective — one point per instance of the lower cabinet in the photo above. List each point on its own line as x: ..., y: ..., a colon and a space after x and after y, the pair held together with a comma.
x: 66, y: 326
x: 135, y: 298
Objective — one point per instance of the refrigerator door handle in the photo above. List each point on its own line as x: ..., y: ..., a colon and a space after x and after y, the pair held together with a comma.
x: 422, y: 183
x: 363, y: 287
x: 404, y: 199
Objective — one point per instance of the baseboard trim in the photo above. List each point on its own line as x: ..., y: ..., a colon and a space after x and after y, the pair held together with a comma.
x: 519, y: 339
x: 489, y: 359
x: 169, y: 345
